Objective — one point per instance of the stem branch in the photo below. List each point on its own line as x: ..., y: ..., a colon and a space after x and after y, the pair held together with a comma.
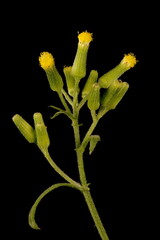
x: 64, y: 102
x: 60, y: 172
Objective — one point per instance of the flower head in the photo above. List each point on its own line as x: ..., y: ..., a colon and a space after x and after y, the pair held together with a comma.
x: 46, y: 60
x: 85, y: 37
x: 129, y: 60
x: 80, y: 60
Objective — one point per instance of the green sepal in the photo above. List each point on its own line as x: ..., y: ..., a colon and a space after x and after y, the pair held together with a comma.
x: 94, y: 139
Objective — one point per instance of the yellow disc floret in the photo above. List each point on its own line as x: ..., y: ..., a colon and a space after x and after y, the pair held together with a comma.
x: 85, y: 37
x: 129, y: 60
x: 46, y: 60
x: 66, y: 68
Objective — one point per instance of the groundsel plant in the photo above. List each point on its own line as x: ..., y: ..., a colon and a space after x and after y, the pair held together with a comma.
x: 100, y: 94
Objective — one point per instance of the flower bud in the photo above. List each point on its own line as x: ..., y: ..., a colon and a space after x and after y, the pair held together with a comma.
x: 127, y: 62
x: 90, y: 81
x: 43, y: 141
x: 25, y: 128
x: 94, y: 97
x: 47, y: 62
x: 79, y: 64
x: 109, y: 92
x: 118, y: 95
x: 69, y: 80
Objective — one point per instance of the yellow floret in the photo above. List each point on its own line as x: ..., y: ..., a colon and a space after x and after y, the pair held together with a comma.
x: 85, y: 37
x: 130, y: 60
x: 46, y: 60
x: 66, y: 68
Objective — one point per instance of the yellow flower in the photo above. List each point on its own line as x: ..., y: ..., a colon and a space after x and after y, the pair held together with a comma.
x: 129, y: 60
x: 79, y: 64
x: 85, y: 37
x: 46, y: 60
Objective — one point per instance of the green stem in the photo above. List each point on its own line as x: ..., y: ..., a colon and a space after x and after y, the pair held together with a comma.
x: 64, y: 102
x: 88, y: 134
x: 87, y: 194
x: 75, y: 123
x: 80, y: 148
x: 60, y: 172
x: 67, y: 97
x: 95, y: 215
x: 82, y: 102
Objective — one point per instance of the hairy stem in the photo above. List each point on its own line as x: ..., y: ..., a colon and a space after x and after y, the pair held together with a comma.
x: 80, y: 148
x: 64, y: 102
x: 67, y: 97
x: 60, y: 172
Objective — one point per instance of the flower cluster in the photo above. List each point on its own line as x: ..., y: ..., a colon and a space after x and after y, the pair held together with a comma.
x: 115, y: 88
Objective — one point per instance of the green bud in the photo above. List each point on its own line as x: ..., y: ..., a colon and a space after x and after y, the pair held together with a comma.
x: 108, y: 78
x: 108, y: 93
x: 90, y: 81
x: 25, y: 128
x: 54, y: 79
x: 119, y: 95
x: 94, y: 97
x: 69, y: 80
x: 94, y: 139
x: 43, y: 141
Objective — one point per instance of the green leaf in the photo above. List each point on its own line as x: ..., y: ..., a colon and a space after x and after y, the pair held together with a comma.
x: 60, y: 112
x: 31, y: 216
x: 94, y: 139
x: 56, y: 114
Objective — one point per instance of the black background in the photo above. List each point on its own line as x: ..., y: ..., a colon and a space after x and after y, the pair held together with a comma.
x: 121, y: 176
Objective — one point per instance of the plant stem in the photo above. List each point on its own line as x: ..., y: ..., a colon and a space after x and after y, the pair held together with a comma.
x: 95, y: 215
x: 64, y: 102
x: 88, y: 134
x: 67, y: 97
x: 80, y: 148
x: 87, y: 195
x: 60, y: 172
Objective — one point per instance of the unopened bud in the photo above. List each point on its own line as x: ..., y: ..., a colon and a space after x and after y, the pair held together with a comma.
x: 119, y: 95
x: 69, y: 80
x: 25, y: 128
x: 94, y: 97
x: 43, y: 141
x: 90, y: 81
x: 109, y: 92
